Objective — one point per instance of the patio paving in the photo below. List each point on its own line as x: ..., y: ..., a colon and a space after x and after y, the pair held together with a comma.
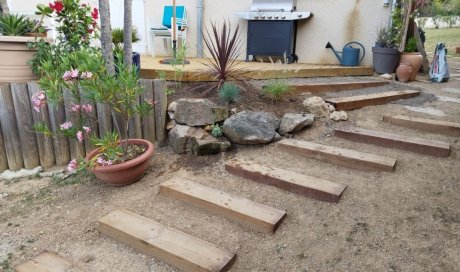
x: 196, y: 70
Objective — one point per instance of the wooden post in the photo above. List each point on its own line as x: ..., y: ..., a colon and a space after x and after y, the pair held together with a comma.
x: 421, y: 49
x: 26, y: 130
x: 3, y: 160
x: 161, y: 107
x: 91, y: 122
x: 44, y: 143
x: 77, y: 149
x: 405, y: 27
x: 135, y: 125
x: 10, y: 128
x: 61, y: 144
x: 148, y: 122
x: 104, y: 117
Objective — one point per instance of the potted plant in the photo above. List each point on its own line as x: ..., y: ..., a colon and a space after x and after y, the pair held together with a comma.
x: 14, y: 50
x: 412, y: 57
x: 117, y: 160
x: 117, y: 39
x: 36, y: 28
x: 385, y: 54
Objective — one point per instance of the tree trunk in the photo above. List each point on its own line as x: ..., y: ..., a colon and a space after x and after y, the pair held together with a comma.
x: 106, y: 36
x: 128, y: 32
x: 4, y: 7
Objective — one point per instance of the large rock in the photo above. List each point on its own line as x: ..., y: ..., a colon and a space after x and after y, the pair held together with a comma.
x: 339, y: 116
x: 198, y: 112
x: 185, y: 139
x: 293, y: 122
x: 248, y: 127
x: 317, y: 106
x: 210, y: 145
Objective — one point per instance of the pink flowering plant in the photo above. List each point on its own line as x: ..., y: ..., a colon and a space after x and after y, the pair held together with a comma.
x: 81, y: 81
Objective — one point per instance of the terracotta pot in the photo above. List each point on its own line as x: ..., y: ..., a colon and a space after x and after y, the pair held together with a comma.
x: 127, y: 172
x: 36, y: 34
x: 404, y: 72
x: 415, y: 60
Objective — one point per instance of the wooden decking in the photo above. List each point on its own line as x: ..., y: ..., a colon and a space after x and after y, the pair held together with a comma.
x: 196, y: 70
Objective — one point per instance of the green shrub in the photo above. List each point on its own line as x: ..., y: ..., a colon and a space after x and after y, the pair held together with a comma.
x: 216, y: 130
x: 229, y: 93
x: 14, y: 24
x: 276, y: 89
x: 411, y: 45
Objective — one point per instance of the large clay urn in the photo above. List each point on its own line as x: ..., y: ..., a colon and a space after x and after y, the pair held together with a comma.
x: 404, y: 72
x: 415, y: 59
x: 126, y: 172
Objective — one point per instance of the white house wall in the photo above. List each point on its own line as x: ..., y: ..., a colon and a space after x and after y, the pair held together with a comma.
x: 336, y: 21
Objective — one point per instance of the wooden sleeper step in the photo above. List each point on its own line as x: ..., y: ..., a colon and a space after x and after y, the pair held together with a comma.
x: 359, y: 101
x: 258, y: 216
x: 335, y: 86
x: 316, y: 188
x: 46, y: 262
x: 428, y: 125
x: 340, y: 156
x: 174, y: 247
x: 417, y: 145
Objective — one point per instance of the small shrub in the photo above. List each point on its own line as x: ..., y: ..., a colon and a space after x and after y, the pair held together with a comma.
x: 276, y: 89
x: 216, y: 130
x: 229, y: 93
x: 411, y: 45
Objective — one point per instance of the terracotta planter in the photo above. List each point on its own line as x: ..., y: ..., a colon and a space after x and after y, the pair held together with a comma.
x: 415, y: 60
x: 404, y: 72
x: 127, y: 172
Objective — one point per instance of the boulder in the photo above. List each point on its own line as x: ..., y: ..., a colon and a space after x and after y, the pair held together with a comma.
x: 210, y: 145
x: 317, y: 106
x: 181, y: 137
x: 198, y: 112
x: 293, y: 122
x: 331, y: 107
x: 172, y: 109
x: 185, y: 139
x: 249, y: 127
x: 339, y: 116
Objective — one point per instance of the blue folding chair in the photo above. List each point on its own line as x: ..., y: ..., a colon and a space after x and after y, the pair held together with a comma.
x: 166, y: 29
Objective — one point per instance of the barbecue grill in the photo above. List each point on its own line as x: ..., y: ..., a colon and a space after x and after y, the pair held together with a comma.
x: 272, y: 28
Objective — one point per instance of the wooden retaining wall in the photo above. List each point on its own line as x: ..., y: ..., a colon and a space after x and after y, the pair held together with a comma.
x: 22, y: 147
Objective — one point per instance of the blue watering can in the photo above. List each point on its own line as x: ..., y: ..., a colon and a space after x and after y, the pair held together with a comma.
x: 350, y: 55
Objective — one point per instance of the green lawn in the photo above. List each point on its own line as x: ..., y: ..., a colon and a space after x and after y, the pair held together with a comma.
x: 450, y: 36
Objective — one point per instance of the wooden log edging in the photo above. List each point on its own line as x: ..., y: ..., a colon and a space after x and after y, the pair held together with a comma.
x: 21, y: 146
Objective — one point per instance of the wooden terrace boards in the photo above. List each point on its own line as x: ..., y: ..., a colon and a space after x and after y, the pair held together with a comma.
x: 253, y: 214
x: 422, y: 146
x: 428, y: 125
x: 359, y: 101
x: 340, y: 156
x: 46, y: 262
x: 290, y: 181
x: 174, y: 247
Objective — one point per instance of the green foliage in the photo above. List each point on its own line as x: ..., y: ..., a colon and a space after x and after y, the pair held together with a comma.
x: 229, y: 93
x: 14, y: 25
x: 276, y: 89
x: 385, y: 35
x: 216, y: 130
x: 109, y: 145
x: 411, y: 45
x: 118, y: 36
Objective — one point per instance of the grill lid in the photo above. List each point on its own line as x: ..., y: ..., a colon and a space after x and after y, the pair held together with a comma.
x: 273, y: 5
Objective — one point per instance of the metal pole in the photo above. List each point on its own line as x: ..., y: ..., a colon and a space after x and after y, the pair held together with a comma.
x: 199, y: 28
x: 174, y: 29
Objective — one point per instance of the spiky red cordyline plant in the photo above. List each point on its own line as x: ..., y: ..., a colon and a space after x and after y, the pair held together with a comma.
x: 224, y: 47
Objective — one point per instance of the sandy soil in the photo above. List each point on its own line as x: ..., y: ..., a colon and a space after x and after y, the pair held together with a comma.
x: 407, y: 220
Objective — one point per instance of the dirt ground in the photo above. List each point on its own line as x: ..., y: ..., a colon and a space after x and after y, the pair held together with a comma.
x: 406, y: 220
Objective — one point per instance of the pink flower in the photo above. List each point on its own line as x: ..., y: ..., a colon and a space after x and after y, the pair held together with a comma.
x: 87, y: 130
x: 80, y: 136
x: 69, y: 75
x: 74, y: 73
x: 66, y: 125
x: 103, y: 162
x: 72, y: 165
x: 38, y: 100
x: 87, y: 108
x: 75, y: 108
x: 86, y: 75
